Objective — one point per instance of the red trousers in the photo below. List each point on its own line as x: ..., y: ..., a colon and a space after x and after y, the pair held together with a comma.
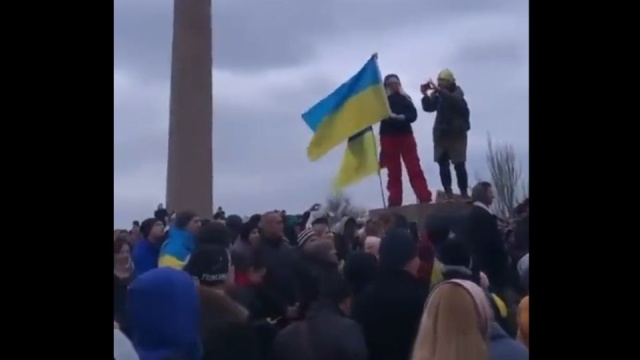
x: 394, y: 147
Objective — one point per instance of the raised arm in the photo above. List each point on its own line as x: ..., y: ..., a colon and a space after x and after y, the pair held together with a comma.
x: 429, y: 104
x: 453, y: 99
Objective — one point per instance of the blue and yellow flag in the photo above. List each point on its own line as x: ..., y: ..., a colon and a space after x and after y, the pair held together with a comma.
x: 355, y: 105
x: 360, y: 159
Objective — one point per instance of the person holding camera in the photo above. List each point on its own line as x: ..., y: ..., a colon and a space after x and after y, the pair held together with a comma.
x: 397, y: 141
x: 449, y: 129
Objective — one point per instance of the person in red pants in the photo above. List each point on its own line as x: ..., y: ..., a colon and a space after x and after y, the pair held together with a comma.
x: 397, y: 141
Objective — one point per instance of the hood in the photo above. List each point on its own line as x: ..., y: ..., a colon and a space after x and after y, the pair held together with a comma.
x: 321, y: 308
x: 360, y: 269
x: 164, y: 313
x: 458, y: 91
x: 496, y: 333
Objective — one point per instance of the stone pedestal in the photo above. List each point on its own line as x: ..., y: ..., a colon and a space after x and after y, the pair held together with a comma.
x: 421, y: 212
x: 190, y: 161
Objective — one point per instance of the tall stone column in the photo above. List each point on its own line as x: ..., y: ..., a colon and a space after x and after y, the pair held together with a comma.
x: 190, y: 161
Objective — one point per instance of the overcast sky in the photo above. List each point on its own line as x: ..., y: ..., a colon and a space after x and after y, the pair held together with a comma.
x: 273, y: 59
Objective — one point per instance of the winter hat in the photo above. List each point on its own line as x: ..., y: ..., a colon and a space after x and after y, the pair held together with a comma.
x: 234, y: 223
x: 122, y: 347
x: 305, y: 236
x: 397, y: 248
x: 216, y: 233
x: 209, y: 264
x: 447, y: 75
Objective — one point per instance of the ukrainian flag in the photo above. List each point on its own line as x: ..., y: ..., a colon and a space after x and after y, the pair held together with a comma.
x: 360, y: 159
x: 354, y: 106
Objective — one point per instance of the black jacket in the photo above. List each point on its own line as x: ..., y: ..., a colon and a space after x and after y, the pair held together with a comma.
x: 489, y: 252
x: 226, y: 331
x: 452, y: 118
x: 310, y: 275
x: 389, y: 312
x: 400, y: 105
x: 120, y: 302
x: 280, y: 279
x: 327, y: 334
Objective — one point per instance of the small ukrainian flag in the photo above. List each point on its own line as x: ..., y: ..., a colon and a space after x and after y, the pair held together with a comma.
x: 360, y: 159
x: 355, y: 105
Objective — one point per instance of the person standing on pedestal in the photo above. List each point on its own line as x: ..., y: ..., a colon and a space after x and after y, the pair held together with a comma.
x: 397, y: 141
x: 449, y: 129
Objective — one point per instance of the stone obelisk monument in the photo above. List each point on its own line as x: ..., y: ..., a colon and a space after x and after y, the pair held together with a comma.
x: 190, y: 161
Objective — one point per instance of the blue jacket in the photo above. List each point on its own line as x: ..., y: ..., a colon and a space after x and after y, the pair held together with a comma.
x: 176, y: 250
x: 502, y: 347
x: 164, y: 315
x: 145, y: 256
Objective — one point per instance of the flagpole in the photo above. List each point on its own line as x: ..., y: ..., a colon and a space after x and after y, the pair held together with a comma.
x: 375, y: 143
x: 375, y: 150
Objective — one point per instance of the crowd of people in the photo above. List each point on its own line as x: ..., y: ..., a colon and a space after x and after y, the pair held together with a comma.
x: 263, y: 288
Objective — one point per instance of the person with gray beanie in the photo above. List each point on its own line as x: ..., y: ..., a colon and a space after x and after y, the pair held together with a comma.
x: 389, y: 310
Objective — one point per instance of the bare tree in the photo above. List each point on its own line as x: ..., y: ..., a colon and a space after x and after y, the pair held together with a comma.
x: 337, y: 206
x: 506, y: 176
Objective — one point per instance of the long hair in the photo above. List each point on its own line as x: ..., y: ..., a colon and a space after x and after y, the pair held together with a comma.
x: 452, y: 327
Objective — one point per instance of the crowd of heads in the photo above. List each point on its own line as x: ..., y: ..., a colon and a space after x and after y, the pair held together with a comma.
x: 279, y: 287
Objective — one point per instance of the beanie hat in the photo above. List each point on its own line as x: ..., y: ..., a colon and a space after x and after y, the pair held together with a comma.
x: 391, y: 76
x: 305, y: 236
x: 234, y: 223
x: 397, y: 248
x: 209, y: 264
x: 215, y: 233
x: 446, y: 74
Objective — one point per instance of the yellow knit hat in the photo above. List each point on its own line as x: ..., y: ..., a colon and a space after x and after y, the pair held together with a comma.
x: 446, y: 74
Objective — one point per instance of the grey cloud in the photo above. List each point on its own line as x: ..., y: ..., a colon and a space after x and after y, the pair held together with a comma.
x: 491, y: 52
x: 255, y: 35
x: 142, y: 32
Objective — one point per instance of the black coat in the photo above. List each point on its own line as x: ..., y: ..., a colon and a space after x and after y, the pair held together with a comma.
x: 280, y: 280
x: 399, y: 105
x: 311, y: 273
x: 327, y: 334
x: 120, y: 287
x: 488, y: 249
x: 389, y: 311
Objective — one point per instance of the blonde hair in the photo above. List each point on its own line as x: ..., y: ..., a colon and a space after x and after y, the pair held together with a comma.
x: 452, y: 326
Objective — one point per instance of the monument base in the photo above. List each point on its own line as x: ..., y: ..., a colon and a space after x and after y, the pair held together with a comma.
x: 419, y: 213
